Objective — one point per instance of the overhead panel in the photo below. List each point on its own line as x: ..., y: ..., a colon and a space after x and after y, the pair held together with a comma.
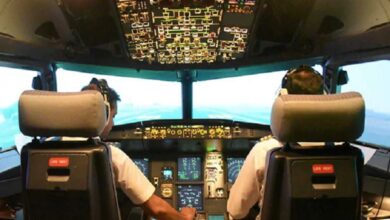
x: 186, y: 32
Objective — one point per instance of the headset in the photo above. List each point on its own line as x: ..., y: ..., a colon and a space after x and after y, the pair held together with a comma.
x: 298, y: 69
x: 104, y: 90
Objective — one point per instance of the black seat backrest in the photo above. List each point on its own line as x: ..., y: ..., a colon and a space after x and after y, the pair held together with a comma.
x: 311, y: 182
x: 70, y: 178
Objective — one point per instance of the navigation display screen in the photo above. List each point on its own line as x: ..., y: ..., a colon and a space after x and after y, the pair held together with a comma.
x: 234, y: 167
x: 190, y: 195
x: 189, y: 168
x: 143, y: 165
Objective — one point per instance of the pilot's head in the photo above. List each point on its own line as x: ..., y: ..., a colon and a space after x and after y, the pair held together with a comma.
x: 112, y: 97
x: 303, y: 80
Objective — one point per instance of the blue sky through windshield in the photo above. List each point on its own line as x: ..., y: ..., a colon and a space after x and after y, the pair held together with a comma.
x: 142, y: 99
x: 243, y: 98
x: 371, y: 80
x: 14, y: 81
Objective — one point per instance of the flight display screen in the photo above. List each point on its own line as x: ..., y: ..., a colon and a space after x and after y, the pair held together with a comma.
x: 167, y: 173
x: 234, y: 166
x: 190, y: 195
x: 189, y: 168
x: 143, y: 165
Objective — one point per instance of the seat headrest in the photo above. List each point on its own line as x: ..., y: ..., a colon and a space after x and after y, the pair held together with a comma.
x: 73, y: 114
x: 318, y: 118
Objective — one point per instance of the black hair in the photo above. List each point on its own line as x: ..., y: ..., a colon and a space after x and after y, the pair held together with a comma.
x: 303, y: 80
x: 101, y: 85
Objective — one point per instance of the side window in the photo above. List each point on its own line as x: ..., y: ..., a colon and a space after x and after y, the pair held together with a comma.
x: 14, y: 82
x: 372, y: 81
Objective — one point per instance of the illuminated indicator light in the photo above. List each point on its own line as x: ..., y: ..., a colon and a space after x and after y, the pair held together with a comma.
x: 59, y: 162
x: 322, y: 168
x: 211, y: 148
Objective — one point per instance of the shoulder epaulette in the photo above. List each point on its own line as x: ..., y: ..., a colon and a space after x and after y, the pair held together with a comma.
x: 265, y: 138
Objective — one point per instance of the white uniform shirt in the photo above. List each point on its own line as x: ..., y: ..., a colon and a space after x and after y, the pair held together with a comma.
x: 248, y: 187
x: 130, y: 178
x: 127, y: 175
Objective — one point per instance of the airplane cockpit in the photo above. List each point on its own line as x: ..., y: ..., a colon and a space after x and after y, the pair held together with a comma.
x: 197, y: 81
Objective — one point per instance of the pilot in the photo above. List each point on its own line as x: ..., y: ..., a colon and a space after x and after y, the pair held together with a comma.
x: 248, y: 187
x: 127, y: 175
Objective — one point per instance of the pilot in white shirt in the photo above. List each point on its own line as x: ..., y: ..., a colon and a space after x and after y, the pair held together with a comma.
x: 249, y: 185
x: 127, y: 175
x: 137, y: 188
x: 247, y: 190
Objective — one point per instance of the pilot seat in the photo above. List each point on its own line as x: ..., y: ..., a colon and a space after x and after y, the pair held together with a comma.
x: 317, y: 174
x: 66, y: 178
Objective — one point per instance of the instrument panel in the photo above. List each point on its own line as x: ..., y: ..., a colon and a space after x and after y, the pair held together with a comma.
x: 186, y: 32
x: 187, y: 131
x: 202, y: 182
x: 181, y: 130
x: 191, y: 163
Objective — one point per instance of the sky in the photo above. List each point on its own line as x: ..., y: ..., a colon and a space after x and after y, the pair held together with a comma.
x: 259, y: 90
x: 14, y: 82
x: 372, y: 80
x: 132, y: 90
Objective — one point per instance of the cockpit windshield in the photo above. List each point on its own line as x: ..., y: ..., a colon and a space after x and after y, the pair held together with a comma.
x: 141, y: 99
x: 244, y: 98
x: 362, y: 77
x: 14, y: 82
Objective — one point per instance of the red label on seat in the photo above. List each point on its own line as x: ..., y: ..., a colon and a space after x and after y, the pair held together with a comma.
x: 322, y: 168
x: 59, y: 162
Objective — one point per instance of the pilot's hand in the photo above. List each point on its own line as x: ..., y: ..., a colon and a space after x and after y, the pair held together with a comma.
x: 188, y: 213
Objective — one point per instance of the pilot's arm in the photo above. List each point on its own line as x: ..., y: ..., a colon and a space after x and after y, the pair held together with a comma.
x: 246, y: 191
x: 141, y: 192
x: 160, y: 209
